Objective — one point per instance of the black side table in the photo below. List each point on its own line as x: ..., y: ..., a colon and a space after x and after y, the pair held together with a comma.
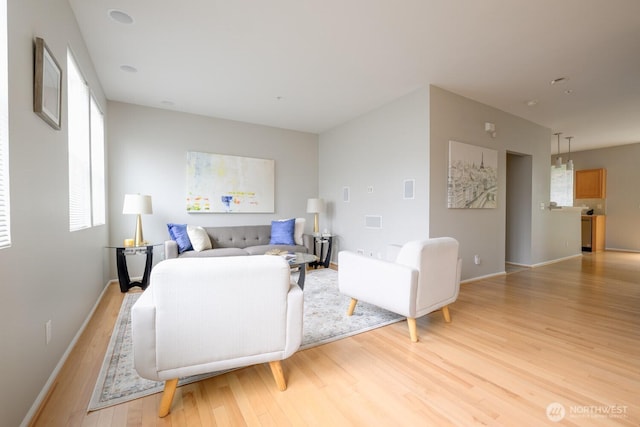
x: 324, y: 256
x: 123, y: 272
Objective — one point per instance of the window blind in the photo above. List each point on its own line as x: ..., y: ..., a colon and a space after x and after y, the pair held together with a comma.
x: 79, y: 149
x: 5, y: 211
x: 97, y: 164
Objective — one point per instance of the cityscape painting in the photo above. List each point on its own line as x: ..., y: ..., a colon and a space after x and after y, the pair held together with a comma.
x: 473, y: 176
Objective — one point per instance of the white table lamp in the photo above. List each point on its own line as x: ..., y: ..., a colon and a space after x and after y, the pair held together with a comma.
x: 137, y: 204
x: 315, y: 206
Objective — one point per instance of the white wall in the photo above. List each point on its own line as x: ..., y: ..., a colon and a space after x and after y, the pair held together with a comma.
x: 48, y: 273
x: 379, y: 150
x: 147, y: 155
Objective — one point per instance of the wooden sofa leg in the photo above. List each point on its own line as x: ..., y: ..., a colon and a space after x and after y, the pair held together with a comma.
x: 352, y: 306
x: 413, y: 329
x: 278, y: 374
x: 167, y: 397
x: 446, y: 314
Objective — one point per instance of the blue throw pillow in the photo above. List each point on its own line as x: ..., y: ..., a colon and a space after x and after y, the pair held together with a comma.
x: 178, y: 232
x: 282, y: 232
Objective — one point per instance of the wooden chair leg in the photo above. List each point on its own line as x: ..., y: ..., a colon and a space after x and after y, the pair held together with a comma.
x: 413, y: 329
x: 446, y: 314
x: 278, y: 374
x: 352, y: 306
x: 167, y: 397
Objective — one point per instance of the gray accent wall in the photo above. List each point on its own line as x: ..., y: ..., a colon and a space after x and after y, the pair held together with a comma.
x: 482, y: 232
x: 48, y: 273
x: 147, y: 155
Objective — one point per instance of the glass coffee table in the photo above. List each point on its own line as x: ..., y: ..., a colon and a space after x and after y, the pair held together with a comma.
x: 301, y: 259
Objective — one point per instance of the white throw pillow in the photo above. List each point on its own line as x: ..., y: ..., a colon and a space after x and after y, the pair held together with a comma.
x: 298, y: 231
x: 199, y: 238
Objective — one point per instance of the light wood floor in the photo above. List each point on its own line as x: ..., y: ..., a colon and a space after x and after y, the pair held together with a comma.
x: 567, y: 333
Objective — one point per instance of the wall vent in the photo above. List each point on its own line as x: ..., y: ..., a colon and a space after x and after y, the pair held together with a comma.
x: 409, y: 186
x: 373, y: 221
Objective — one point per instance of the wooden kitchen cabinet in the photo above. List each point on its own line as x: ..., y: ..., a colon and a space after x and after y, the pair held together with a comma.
x: 591, y: 184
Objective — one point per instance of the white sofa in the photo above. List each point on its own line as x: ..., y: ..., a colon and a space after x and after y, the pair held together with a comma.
x: 424, y: 277
x: 202, y: 315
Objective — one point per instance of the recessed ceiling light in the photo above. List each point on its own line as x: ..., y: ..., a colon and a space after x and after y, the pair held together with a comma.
x: 129, y: 68
x: 559, y: 80
x: 120, y: 16
x: 532, y: 103
x: 568, y: 91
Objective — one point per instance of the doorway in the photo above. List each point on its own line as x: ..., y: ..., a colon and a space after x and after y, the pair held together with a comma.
x: 519, y: 210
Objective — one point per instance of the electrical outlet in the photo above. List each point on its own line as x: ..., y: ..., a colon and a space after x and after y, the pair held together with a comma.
x: 476, y: 259
x: 47, y: 331
x: 370, y: 189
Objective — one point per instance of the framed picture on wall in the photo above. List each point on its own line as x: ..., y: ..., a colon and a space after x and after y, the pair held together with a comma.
x: 47, y: 85
x: 229, y: 184
x: 473, y: 176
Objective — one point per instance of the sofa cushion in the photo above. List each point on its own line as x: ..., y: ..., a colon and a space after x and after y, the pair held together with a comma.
x: 263, y: 249
x: 215, y: 253
x: 178, y: 232
x: 282, y: 232
x: 199, y: 238
x: 298, y: 231
x: 239, y: 236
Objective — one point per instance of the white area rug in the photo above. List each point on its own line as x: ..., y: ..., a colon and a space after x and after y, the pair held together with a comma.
x: 325, y: 320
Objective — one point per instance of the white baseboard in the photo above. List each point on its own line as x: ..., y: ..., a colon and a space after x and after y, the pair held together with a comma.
x: 45, y: 390
x: 553, y: 261
x: 622, y: 250
x: 486, y: 276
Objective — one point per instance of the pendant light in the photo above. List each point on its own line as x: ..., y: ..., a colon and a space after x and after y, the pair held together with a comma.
x: 569, y: 161
x: 558, y: 159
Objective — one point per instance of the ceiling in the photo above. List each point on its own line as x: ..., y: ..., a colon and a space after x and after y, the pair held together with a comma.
x: 311, y: 65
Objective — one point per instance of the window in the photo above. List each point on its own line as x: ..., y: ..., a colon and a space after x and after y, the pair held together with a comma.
x: 562, y: 185
x: 86, y: 153
x: 5, y: 211
x: 97, y: 164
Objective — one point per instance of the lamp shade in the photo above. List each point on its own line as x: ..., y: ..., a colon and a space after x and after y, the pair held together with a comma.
x: 315, y: 205
x: 137, y: 204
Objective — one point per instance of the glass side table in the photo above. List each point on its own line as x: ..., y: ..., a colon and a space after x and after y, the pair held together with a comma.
x: 121, y: 263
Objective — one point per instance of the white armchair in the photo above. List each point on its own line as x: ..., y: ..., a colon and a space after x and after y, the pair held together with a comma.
x: 424, y: 277
x: 204, y: 315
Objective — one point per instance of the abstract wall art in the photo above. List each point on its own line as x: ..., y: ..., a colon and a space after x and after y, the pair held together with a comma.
x: 229, y: 184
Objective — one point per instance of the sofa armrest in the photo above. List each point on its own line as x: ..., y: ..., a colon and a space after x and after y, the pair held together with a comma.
x: 295, y: 309
x: 170, y: 249
x: 309, y: 241
x: 143, y: 330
